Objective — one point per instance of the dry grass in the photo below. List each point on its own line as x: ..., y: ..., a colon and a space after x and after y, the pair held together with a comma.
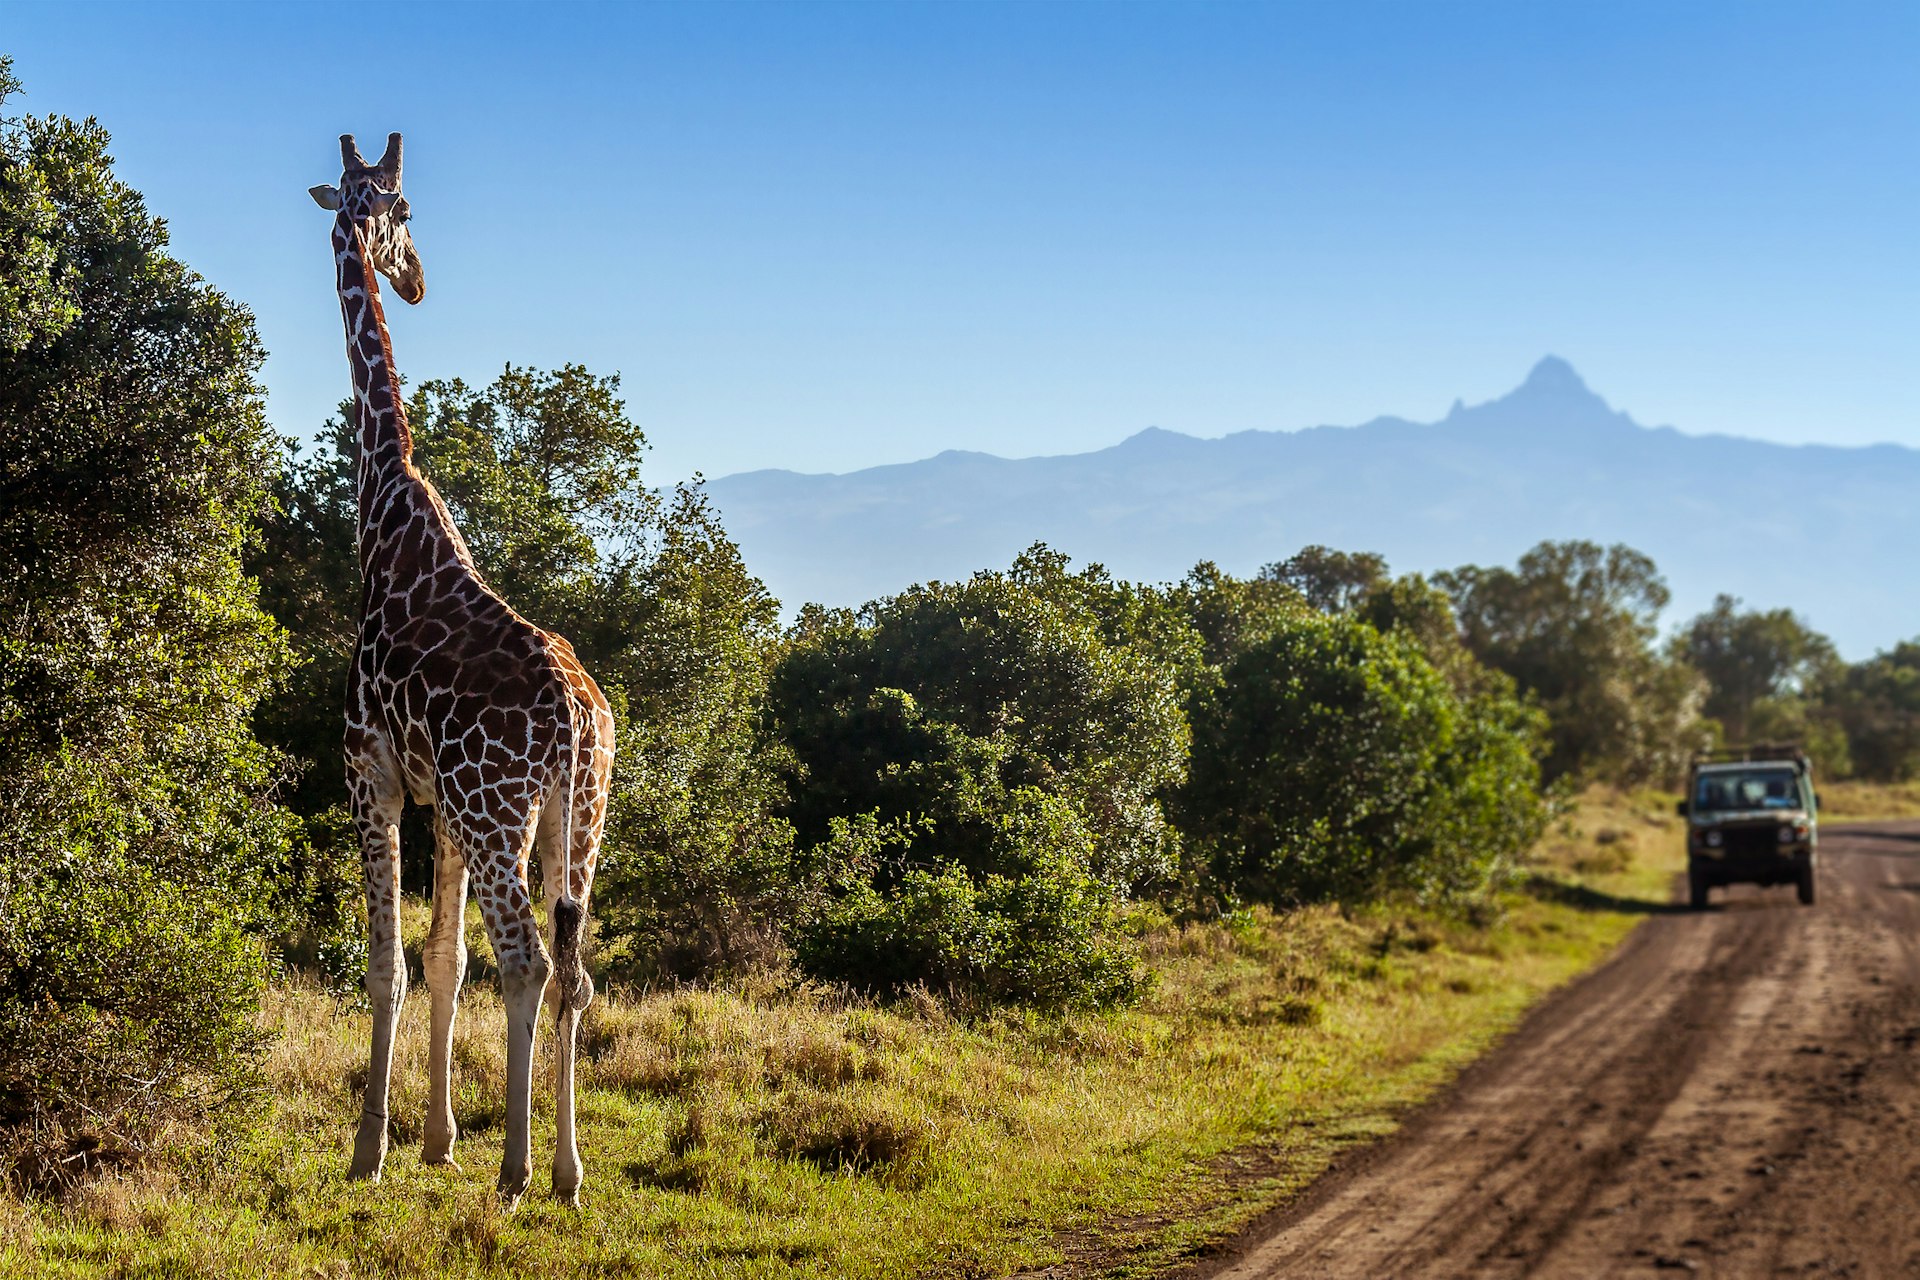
x: 1610, y: 832
x: 772, y: 1129
x: 1866, y: 801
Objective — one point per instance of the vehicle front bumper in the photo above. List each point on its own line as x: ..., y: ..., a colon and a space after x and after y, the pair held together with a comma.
x: 1782, y: 866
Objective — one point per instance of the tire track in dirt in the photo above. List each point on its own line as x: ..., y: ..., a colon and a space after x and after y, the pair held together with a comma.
x: 1734, y: 1094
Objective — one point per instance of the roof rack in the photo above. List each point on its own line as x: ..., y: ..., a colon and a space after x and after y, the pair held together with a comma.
x: 1757, y: 751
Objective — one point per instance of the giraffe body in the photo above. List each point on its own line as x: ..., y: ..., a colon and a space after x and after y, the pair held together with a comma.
x: 458, y: 703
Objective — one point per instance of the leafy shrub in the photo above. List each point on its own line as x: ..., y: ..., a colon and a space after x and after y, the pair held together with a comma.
x: 942, y: 702
x: 1334, y: 762
x: 126, y: 999
x: 1039, y: 929
x: 701, y: 875
x: 1008, y: 737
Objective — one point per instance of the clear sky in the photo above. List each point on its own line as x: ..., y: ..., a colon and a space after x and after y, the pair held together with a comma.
x: 829, y: 236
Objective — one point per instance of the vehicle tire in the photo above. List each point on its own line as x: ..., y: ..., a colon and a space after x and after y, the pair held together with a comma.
x: 1696, y: 891
x: 1806, y: 887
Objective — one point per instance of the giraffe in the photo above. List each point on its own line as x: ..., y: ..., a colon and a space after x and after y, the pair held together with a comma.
x: 458, y: 703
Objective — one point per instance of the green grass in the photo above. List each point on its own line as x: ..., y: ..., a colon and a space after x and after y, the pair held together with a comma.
x: 773, y: 1130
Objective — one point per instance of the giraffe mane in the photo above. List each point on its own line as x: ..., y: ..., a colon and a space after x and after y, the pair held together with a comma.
x: 377, y: 314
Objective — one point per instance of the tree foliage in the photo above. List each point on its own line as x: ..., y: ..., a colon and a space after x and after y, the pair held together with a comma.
x: 1329, y: 580
x: 1015, y: 733
x: 1876, y: 704
x: 938, y: 703
x: 1334, y: 761
x: 1759, y: 667
x: 1232, y: 614
x: 1574, y: 624
x: 137, y: 851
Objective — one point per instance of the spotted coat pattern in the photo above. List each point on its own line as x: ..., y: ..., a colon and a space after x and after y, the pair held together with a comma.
x: 458, y: 703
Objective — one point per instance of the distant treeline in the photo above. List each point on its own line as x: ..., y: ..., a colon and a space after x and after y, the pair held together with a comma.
x: 982, y: 788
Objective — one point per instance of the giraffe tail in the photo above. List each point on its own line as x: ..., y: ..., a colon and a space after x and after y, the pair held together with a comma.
x: 576, y: 989
x: 569, y: 916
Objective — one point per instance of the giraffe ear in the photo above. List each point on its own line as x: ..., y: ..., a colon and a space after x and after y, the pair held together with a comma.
x: 324, y: 196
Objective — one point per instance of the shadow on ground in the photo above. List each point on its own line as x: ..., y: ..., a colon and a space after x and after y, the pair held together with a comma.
x: 1583, y: 898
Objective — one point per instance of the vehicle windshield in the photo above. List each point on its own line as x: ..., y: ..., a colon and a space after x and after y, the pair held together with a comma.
x: 1758, y: 788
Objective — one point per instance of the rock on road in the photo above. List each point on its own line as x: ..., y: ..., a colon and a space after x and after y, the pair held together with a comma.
x: 1736, y: 1093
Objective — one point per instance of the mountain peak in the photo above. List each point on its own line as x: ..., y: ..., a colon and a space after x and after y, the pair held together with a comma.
x: 1556, y: 376
x: 1551, y: 402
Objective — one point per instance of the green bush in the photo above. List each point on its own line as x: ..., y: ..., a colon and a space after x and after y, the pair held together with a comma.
x: 122, y: 991
x: 942, y: 702
x: 1333, y: 761
x: 700, y: 873
x: 1040, y: 930
x: 1014, y: 734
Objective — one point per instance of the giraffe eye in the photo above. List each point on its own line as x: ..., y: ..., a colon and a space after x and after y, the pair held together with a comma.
x: 401, y: 213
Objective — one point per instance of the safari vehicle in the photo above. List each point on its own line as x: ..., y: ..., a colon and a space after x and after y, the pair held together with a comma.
x: 1751, y: 819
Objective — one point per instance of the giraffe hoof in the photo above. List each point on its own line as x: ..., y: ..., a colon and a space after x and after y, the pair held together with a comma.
x: 512, y: 1185
x: 369, y: 1150
x: 570, y: 1199
x: 441, y: 1162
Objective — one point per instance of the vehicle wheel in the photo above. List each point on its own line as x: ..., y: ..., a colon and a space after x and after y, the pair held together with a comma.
x: 1806, y: 887
x: 1697, y: 890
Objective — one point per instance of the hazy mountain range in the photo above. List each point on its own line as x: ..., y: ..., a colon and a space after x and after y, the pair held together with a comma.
x: 1829, y: 532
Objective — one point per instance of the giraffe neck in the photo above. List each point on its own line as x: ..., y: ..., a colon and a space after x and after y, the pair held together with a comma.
x: 387, y: 483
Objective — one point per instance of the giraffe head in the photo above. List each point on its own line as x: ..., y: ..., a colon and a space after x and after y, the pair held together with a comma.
x: 369, y: 194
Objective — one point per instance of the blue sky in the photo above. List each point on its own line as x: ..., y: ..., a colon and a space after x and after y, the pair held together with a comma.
x: 830, y: 236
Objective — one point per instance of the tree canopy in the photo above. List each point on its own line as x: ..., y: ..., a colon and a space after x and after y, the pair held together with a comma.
x: 1751, y: 658
x: 137, y: 843
x: 1574, y: 624
x: 939, y: 703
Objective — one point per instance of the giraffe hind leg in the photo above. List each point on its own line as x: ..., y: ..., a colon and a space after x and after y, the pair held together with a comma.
x: 495, y: 849
x: 566, y: 873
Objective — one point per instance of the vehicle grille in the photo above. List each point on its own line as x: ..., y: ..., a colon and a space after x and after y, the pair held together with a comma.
x: 1751, y: 841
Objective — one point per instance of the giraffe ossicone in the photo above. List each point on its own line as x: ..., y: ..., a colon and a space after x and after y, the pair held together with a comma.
x: 458, y: 703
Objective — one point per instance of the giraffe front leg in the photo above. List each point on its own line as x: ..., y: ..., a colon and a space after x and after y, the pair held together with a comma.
x: 567, y: 885
x: 377, y: 814
x: 445, y: 962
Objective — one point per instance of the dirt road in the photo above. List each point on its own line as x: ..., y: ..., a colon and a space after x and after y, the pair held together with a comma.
x: 1736, y: 1094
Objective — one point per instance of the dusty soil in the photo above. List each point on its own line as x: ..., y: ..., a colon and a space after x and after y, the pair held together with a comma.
x: 1737, y: 1093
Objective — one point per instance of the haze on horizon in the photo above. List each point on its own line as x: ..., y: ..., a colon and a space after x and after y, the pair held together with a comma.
x: 825, y: 237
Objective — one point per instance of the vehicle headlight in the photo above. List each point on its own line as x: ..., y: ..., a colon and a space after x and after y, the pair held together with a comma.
x: 1711, y: 839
